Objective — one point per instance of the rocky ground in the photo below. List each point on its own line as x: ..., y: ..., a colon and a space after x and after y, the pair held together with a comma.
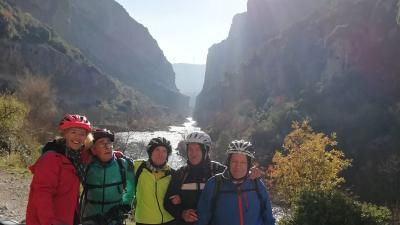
x: 14, y: 189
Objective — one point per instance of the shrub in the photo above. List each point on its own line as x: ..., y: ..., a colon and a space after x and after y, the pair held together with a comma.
x: 15, y: 143
x: 38, y: 93
x: 334, y: 208
x: 309, y: 161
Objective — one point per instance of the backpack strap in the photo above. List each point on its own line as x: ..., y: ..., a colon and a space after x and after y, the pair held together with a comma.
x: 216, y: 168
x: 183, y: 175
x: 122, y: 172
x: 84, y: 191
x: 138, y: 172
x: 218, y: 183
x: 263, y: 207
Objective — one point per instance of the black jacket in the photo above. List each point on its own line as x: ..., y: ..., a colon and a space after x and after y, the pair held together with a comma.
x: 188, y: 182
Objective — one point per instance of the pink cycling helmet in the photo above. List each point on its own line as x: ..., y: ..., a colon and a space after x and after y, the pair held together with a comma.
x: 75, y: 120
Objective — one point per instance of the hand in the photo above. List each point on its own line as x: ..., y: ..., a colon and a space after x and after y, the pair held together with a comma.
x: 256, y: 173
x: 189, y: 215
x: 118, y: 154
x: 175, y: 199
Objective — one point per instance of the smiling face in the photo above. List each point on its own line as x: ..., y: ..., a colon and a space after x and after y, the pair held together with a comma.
x: 195, y: 154
x: 75, y: 137
x: 102, y: 148
x: 238, y: 166
x: 159, y: 155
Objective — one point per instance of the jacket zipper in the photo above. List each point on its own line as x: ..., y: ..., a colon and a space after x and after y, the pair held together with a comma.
x: 240, y: 206
x: 158, y: 204
x: 104, y: 181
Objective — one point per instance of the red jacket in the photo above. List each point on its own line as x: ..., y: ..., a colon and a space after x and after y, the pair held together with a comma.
x: 54, y: 193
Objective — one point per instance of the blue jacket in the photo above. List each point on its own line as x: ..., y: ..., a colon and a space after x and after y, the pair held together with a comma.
x: 234, y: 204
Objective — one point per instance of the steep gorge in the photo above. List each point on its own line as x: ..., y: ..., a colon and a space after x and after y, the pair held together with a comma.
x: 117, y: 44
x: 334, y: 62
x: 30, y: 47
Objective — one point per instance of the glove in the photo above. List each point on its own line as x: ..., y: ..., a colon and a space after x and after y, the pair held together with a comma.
x: 118, y: 213
x: 126, y: 208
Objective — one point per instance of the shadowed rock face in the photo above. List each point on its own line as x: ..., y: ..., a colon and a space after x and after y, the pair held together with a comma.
x: 115, y: 43
x: 29, y: 46
x: 283, y: 47
x: 335, y: 62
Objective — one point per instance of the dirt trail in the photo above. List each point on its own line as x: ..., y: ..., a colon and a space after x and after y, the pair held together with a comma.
x: 14, y: 189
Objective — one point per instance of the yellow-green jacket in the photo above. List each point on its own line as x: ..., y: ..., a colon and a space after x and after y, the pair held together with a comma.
x: 150, y: 191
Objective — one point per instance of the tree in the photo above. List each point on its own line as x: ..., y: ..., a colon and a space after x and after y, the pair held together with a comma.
x: 309, y: 161
x: 37, y: 93
x: 12, y: 116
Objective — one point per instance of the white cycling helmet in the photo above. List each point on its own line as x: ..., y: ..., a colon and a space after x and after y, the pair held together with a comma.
x: 200, y: 138
x: 241, y: 147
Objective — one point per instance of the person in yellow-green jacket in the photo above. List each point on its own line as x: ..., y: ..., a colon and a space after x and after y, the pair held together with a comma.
x: 152, y: 179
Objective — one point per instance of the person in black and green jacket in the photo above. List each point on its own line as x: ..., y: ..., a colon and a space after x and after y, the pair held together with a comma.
x: 108, y: 188
x: 153, y: 177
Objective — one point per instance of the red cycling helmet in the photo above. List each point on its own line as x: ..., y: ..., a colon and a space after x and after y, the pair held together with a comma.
x: 75, y: 120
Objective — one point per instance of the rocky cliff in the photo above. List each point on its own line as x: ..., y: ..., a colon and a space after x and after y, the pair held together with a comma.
x: 118, y: 45
x: 334, y: 62
x: 29, y: 47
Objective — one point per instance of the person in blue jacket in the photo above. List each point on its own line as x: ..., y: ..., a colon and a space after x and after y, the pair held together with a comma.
x: 231, y: 197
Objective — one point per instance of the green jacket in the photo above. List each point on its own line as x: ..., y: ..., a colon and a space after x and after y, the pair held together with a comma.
x: 150, y: 192
x: 104, y: 187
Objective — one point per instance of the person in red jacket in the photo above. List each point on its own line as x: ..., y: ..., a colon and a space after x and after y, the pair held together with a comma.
x: 54, y: 191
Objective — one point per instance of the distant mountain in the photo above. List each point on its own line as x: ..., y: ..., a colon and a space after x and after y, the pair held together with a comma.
x: 189, y: 79
x: 332, y: 61
x: 117, y: 44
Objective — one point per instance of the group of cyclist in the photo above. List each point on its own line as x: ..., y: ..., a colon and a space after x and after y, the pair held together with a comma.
x: 202, y: 192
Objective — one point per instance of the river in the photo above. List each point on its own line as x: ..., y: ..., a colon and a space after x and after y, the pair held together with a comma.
x: 137, y: 141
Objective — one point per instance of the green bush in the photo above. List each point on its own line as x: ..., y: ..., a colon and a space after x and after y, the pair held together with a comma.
x: 335, y: 208
x: 12, y: 115
x: 372, y: 214
x: 16, y: 145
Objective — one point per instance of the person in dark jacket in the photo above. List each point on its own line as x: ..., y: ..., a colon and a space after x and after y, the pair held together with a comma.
x: 109, y: 184
x: 231, y: 197
x: 54, y: 191
x: 187, y: 183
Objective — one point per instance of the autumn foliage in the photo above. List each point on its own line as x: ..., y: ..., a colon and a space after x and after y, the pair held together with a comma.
x: 308, y: 161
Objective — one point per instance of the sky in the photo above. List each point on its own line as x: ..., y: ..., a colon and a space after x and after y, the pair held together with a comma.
x: 185, y: 29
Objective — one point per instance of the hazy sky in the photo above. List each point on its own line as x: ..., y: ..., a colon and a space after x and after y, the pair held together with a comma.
x: 185, y: 29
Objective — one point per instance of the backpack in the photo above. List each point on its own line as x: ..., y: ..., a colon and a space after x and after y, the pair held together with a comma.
x: 122, y: 172
x: 218, y: 182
